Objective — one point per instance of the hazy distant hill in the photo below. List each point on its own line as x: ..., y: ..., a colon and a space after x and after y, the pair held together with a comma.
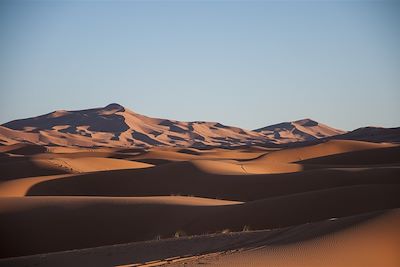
x: 372, y: 134
x: 301, y: 130
x: 117, y: 126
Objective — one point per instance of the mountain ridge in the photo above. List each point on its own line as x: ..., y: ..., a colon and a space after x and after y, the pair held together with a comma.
x: 117, y: 126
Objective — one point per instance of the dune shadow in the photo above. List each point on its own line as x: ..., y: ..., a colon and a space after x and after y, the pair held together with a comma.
x: 80, y: 227
x: 185, y: 178
x: 364, y: 158
x: 22, y: 167
x: 26, y: 149
x: 155, y: 162
x: 189, y: 151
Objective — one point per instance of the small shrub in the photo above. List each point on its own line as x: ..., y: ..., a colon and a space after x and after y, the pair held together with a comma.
x: 246, y: 228
x: 179, y: 233
x: 226, y: 231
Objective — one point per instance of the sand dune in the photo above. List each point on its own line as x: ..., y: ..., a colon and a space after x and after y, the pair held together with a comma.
x: 325, y: 243
x: 221, y: 167
x: 10, y: 136
x: 6, y: 140
x: 371, y: 134
x: 301, y: 130
x: 91, y: 222
x: 20, y: 167
x: 329, y: 148
x: 375, y: 242
x: 262, y: 162
x: 23, y: 149
x: 187, y: 179
x: 20, y: 187
x: 117, y: 126
x: 287, y: 160
x: 80, y: 221
x: 174, y: 154
x: 75, y: 198
x: 91, y: 164
x: 384, y: 156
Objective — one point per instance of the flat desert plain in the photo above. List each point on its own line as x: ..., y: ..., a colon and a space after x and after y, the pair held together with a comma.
x: 335, y: 203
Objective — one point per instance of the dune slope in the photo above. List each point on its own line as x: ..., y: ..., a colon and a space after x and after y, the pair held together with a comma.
x: 61, y: 223
x: 328, y: 241
x: 186, y: 179
x: 375, y: 242
x: 56, y: 199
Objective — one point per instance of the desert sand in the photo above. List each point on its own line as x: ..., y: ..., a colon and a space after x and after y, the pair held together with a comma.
x: 323, y: 204
x: 111, y: 187
x: 370, y: 239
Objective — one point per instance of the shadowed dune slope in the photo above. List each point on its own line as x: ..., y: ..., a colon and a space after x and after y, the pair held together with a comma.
x: 20, y: 187
x: 23, y: 149
x: 61, y: 223
x: 326, y: 239
x: 206, y: 178
x: 314, y: 151
x: 173, y: 154
x: 185, y: 178
x: 371, y: 134
x: 22, y: 160
x: 264, y: 157
x: 386, y: 155
x: 20, y: 167
x: 375, y: 242
x: 296, y: 159
x: 93, y: 164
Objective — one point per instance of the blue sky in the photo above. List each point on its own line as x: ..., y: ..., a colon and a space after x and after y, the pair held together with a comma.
x: 242, y: 63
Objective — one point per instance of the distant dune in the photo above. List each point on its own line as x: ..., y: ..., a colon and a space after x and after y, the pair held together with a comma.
x: 301, y: 130
x: 117, y: 126
x: 372, y: 134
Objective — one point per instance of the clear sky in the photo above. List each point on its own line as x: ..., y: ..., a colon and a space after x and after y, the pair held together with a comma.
x: 242, y: 63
